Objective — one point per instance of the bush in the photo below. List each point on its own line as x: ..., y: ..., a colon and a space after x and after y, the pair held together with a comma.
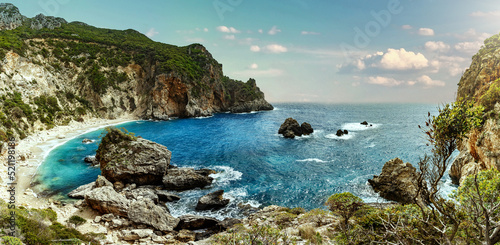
x: 76, y: 220
x: 8, y: 240
x: 491, y: 96
x: 344, y: 204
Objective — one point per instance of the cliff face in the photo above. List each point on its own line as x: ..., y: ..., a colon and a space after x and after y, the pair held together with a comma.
x: 481, y: 82
x: 52, y: 72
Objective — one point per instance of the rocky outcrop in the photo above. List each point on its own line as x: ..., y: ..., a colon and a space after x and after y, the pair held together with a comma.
x: 80, y: 192
x: 398, y: 182
x: 480, y: 82
x: 145, y: 211
x: 142, y: 193
x: 41, y: 21
x: 186, y: 178
x: 196, y: 222
x: 10, y: 17
x: 291, y: 128
x: 52, y: 64
x: 165, y: 196
x: 129, y: 159
x: 107, y: 200
x: 341, y: 132
x: 92, y: 160
x: 212, y: 201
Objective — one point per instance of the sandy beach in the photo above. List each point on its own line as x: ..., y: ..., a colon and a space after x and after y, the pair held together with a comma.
x: 34, y: 149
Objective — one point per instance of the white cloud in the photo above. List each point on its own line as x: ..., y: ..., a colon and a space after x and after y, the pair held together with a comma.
x: 427, y: 82
x: 276, y: 48
x: 205, y: 29
x: 468, y: 47
x: 309, y: 33
x: 151, y: 33
x: 407, y: 27
x: 274, y: 30
x: 437, y: 46
x: 253, y: 66
x: 401, y: 59
x: 424, y: 81
x: 255, y: 48
x: 391, y: 60
x: 229, y: 37
x: 384, y: 81
x: 226, y: 29
x: 485, y: 14
x: 260, y: 31
x: 425, y: 32
x: 472, y: 34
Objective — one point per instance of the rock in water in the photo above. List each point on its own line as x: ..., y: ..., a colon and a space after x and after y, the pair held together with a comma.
x: 306, y: 128
x: 291, y: 128
x: 91, y: 159
x: 146, y: 212
x: 186, y: 178
x: 345, y: 131
x: 398, y: 182
x: 129, y: 159
x: 212, y: 201
x: 339, y: 133
x: 87, y: 141
x: 364, y: 123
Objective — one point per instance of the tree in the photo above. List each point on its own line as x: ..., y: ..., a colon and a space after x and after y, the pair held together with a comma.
x: 479, y: 196
x: 344, y: 204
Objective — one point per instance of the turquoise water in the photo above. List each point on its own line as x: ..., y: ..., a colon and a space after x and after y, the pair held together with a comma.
x: 259, y: 167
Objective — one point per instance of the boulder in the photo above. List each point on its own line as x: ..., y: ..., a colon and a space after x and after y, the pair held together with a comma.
x: 186, y: 178
x: 195, y: 222
x: 129, y: 159
x: 140, y: 193
x: 166, y: 196
x: 306, y: 128
x: 106, y: 200
x: 364, y: 123
x: 339, y: 133
x: 212, y: 201
x: 87, y: 141
x: 101, y: 181
x: 398, y: 182
x: 145, y: 211
x: 92, y: 160
x: 290, y: 127
x: 345, y: 131
x: 79, y: 193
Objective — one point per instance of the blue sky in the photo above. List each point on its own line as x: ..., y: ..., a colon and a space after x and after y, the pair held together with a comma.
x: 334, y: 51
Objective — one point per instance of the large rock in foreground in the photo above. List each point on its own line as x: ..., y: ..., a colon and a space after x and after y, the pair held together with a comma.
x: 398, y: 182
x: 212, y: 201
x: 106, y: 200
x: 187, y: 178
x: 291, y: 128
x: 129, y: 159
x: 145, y: 211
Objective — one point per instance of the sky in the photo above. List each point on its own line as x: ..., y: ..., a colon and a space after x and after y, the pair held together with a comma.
x: 327, y: 51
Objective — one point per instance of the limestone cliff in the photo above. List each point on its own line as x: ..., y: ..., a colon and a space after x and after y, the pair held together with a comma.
x: 52, y: 72
x: 481, y: 82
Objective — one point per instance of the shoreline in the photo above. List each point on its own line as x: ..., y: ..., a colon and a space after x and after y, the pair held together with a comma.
x: 34, y: 149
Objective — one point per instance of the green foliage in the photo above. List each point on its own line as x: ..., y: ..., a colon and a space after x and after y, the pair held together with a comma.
x: 344, y: 204
x: 76, y: 220
x: 254, y: 235
x: 491, y: 96
x: 8, y: 240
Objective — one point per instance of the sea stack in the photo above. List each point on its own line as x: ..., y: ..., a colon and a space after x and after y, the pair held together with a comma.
x: 291, y: 128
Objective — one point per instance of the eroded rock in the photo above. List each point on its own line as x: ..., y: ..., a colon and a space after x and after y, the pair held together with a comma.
x: 145, y: 211
x: 212, y: 201
x: 106, y: 200
x: 186, y: 178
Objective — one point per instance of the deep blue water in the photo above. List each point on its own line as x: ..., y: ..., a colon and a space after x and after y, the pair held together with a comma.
x: 257, y: 165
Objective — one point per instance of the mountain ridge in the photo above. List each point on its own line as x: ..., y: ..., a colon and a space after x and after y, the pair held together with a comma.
x: 52, y: 72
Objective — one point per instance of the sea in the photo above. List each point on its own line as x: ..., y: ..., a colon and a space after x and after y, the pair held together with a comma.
x: 255, y: 165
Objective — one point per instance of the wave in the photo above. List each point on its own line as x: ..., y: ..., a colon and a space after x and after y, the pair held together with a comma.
x: 225, y: 175
x: 359, y: 126
x: 343, y: 137
x: 312, y: 160
x: 88, y: 142
x: 204, y: 117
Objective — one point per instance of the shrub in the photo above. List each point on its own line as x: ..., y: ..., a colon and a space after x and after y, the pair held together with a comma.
x: 76, y: 220
x: 344, y: 204
x: 8, y: 240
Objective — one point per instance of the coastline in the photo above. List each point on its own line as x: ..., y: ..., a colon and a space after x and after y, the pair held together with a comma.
x: 34, y: 149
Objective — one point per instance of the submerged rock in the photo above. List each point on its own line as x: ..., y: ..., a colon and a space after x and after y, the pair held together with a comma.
x: 212, y: 201
x: 128, y: 159
x: 186, y: 178
x: 398, y: 182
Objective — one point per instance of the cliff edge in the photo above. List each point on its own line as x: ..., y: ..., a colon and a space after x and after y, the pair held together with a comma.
x: 481, y: 82
x: 52, y: 72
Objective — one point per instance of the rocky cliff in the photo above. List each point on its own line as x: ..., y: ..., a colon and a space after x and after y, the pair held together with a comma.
x: 481, y: 82
x: 52, y: 72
